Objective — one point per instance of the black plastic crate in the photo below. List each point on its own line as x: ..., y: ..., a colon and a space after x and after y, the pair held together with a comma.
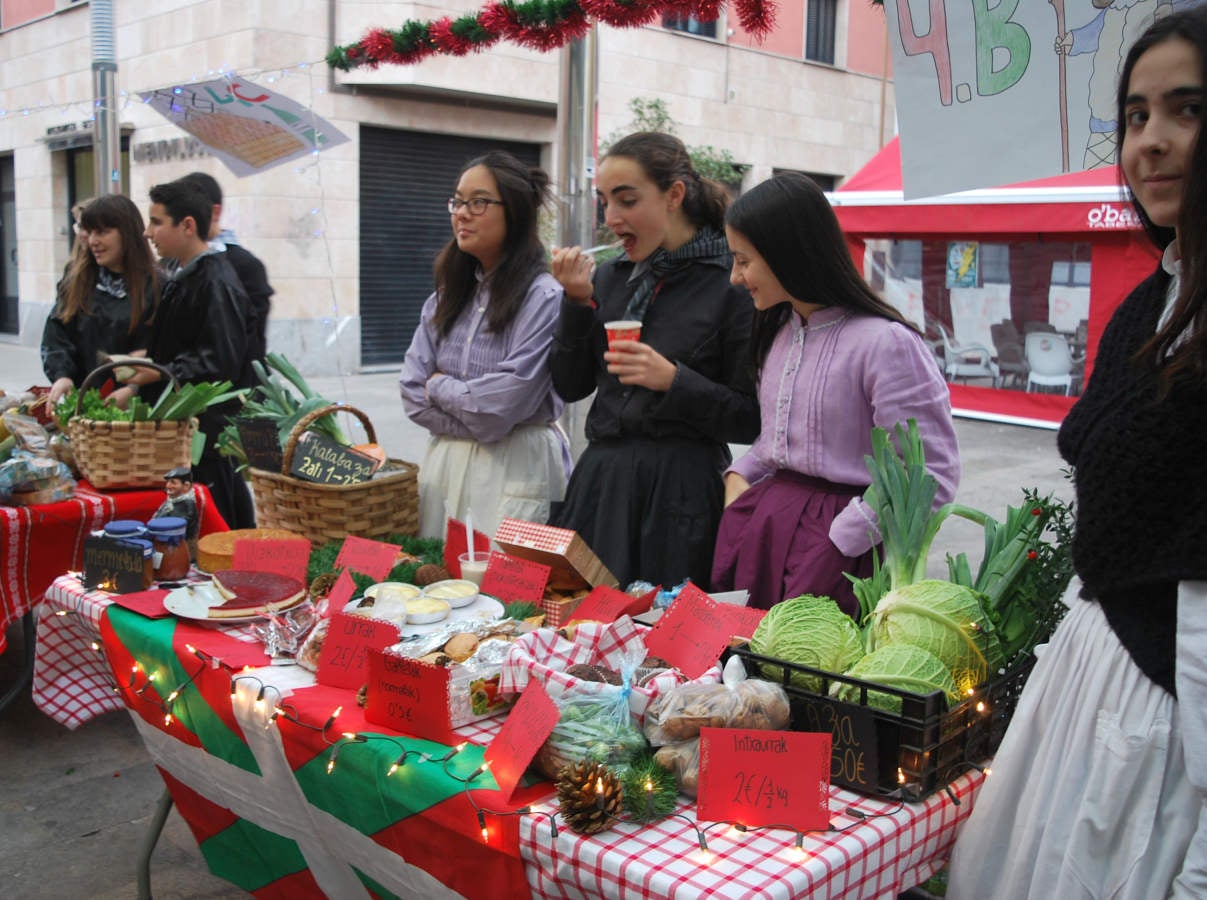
x: 911, y: 753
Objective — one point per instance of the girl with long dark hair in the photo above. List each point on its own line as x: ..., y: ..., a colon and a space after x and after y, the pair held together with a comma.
x: 646, y: 495
x: 477, y: 374
x: 833, y: 361
x: 1099, y: 788
x: 106, y: 301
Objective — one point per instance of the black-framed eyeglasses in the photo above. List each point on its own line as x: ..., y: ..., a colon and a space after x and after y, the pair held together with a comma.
x: 477, y: 205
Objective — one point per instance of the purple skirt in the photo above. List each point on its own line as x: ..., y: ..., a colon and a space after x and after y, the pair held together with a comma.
x: 774, y: 541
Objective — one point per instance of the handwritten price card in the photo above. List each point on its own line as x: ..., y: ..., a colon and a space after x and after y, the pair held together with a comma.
x: 288, y: 557
x: 322, y: 460
x: 373, y: 558
x: 511, y: 578
x: 765, y: 778
x: 743, y: 620
x: 528, y: 726
x: 342, y: 660
x: 341, y: 593
x: 691, y: 634
x: 407, y: 695
x: 855, y: 760
x: 606, y: 604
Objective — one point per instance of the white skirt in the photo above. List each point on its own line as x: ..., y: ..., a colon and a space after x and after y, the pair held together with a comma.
x: 517, y: 477
x: 1089, y: 796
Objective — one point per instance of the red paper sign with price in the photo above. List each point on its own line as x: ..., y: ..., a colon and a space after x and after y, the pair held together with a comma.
x: 342, y: 659
x: 407, y: 695
x: 743, y: 620
x: 606, y: 604
x: 765, y: 778
x: 510, y: 578
x: 287, y: 557
x: 691, y: 634
x: 341, y: 592
x: 528, y: 726
x: 372, y: 558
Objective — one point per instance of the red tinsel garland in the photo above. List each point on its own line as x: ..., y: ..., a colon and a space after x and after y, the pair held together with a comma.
x: 538, y: 25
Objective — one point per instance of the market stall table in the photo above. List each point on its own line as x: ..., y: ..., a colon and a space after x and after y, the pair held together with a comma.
x: 40, y: 542
x: 269, y: 816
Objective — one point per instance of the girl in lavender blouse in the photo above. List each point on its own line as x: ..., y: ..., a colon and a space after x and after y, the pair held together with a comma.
x: 476, y: 374
x: 833, y: 360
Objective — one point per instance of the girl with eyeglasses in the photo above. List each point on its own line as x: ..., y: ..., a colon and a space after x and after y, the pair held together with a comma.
x: 1099, y: 788
x: 477, y: 374
x: 107, y: 298
x: 646, y: 495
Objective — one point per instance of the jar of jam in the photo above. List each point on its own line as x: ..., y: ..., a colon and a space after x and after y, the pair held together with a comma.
x: 148, y: 559
x: 123, y: 529
x: 171, y: 553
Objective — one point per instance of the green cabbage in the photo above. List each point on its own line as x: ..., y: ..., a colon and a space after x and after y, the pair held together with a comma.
x: 945, y: 619
x: 900, y: 666
x: 809, y: 631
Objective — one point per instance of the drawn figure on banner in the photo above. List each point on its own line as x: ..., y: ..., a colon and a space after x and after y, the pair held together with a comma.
x: 1108, y: 35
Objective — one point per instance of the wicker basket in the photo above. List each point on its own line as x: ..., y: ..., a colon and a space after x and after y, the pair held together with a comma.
x: 386, y: 504
x: 128, y: 454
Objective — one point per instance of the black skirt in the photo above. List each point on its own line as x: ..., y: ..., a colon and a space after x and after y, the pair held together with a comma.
x: 648, y: 508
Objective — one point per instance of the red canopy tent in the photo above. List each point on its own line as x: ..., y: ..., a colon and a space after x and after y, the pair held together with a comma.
x: 1037, y: 228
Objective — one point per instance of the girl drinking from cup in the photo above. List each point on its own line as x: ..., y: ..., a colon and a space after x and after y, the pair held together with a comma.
x: 1098, y: 788
x: 476, y: 374
x: 833, y: 361
x: 646, y: 495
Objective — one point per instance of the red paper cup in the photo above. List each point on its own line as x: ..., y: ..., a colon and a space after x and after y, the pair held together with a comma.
x: 622, y: 331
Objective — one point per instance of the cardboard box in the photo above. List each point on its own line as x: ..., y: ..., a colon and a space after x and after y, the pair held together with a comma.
x: 574, y: 567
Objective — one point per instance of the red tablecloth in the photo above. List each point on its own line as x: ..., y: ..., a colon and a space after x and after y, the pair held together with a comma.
x: 40, y: 543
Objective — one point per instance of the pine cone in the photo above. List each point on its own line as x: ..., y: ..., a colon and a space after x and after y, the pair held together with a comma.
x: 430, y: 573
x: 590, y: 796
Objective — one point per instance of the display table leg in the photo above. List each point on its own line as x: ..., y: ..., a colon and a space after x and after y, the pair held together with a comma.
x: 154, y: 830
x: 29, y: 632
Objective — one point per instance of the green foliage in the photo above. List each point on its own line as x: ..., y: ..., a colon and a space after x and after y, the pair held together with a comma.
x: 659, y: 801
x: 521, y: 609
x: 429, y: 550
x: 652, y: 114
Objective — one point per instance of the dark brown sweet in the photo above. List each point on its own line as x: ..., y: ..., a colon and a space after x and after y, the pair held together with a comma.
x: 430, y: 573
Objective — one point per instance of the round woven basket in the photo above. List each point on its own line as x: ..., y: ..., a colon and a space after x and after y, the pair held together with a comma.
x: 386, y: 504
x: 128, y: 454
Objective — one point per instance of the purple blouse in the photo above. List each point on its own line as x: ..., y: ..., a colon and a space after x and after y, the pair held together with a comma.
x: 825, y: 385
x: 488, y: 383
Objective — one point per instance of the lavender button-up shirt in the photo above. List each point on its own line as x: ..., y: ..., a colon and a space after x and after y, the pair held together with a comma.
x: 488, y: 383
x: 825, y: 385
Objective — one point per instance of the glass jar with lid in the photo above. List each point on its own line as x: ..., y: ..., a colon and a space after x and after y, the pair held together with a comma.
x: 171, y: 553
x: 122, y: 529
x: 148, y: 559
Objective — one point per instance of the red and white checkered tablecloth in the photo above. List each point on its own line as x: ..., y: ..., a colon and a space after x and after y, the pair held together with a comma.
x: 891, y: 848
x: 860, y: 859
x: 72, y: 682
x: 38, y: 543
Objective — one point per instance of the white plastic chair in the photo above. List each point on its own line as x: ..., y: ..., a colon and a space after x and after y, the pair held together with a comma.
x: 1049, y: 361
x: 967, y: 360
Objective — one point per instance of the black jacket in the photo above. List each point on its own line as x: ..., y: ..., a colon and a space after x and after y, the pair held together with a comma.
x: 70, y: 349
x: 200, y: 333
x: 697, y: 320
x: 254, y: 278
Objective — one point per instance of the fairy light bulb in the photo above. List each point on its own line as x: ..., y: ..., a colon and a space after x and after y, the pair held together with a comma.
x: 482, y: 826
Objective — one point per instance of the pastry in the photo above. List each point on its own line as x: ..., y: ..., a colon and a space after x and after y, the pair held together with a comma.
x: 461, y: 647
x: 216, y: 550
x: 247, y: 593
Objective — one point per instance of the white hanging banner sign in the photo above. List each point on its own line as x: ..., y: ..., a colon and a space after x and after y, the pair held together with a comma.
x: 993, y: 93
x: 248, y: 127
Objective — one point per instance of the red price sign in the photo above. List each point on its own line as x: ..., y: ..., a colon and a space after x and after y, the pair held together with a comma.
x: 606, y: 604
x: 743, y: 620
x: 349, y: 638
x: 287, y: 557
x: 511, y: 578
x: 341, y: 592
x: 408, y: 695
x: 528, y: 726
x: 373, y: 558
x: 691, y: 634
x: 765, y: 778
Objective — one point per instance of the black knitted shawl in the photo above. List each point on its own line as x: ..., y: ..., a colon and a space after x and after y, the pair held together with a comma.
x: 1141, y: 484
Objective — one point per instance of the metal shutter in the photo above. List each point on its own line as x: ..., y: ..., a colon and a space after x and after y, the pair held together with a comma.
x: 405, y: 179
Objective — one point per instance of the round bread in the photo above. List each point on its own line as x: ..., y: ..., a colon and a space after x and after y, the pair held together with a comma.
x: 216, y: 550
x: 461, y: 647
